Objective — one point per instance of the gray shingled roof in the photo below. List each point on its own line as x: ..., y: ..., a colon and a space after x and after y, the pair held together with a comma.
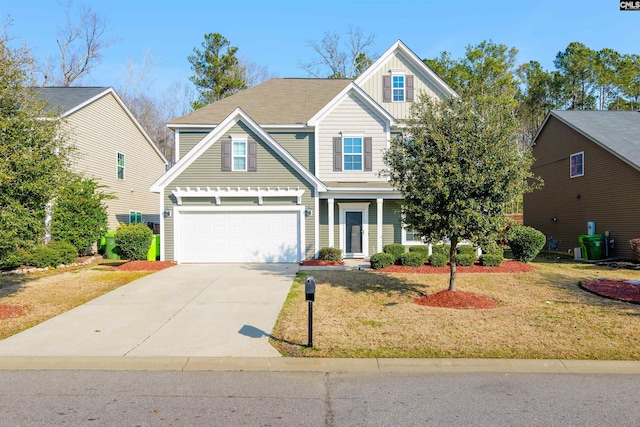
x: 616, y: 131
x: 63, y: 99
x: 276, y: 101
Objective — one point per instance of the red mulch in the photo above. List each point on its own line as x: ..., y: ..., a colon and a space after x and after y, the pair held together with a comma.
x: 322, y: 263
x: 9, y: 311
x: 146, y: 265
x: 455, y: 299
x: 616, y: 289
x: 506, y: 267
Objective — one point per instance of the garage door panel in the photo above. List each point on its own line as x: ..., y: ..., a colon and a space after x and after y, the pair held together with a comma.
x: 239, y: 237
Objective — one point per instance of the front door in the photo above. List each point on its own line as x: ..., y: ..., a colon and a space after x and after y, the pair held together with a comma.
x: 353, y: 232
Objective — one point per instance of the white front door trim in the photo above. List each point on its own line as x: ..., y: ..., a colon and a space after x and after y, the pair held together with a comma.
x: 354, y: 207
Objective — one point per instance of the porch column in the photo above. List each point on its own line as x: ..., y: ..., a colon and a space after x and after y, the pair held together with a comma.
x: 380, y: 213
x: 331, y: 220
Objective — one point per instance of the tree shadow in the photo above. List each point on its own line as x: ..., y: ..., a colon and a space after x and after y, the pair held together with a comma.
x: 12, y: 283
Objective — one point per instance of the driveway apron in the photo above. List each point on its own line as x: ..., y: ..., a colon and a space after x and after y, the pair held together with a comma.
x: 200, y: 310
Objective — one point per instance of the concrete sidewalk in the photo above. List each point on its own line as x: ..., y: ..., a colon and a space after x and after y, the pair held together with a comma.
x: 190, y: 310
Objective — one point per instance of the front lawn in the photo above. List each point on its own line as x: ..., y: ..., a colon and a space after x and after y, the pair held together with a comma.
x: 542, y: 314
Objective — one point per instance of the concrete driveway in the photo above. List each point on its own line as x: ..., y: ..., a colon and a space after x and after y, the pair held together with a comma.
x: 200, y: 310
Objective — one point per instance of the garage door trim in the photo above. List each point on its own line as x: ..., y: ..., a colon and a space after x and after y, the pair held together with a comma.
x: 177, y: 210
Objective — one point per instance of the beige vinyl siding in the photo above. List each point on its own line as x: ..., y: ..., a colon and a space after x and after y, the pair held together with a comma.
x: 101, y: 130
x: 608, y: 193
x: 399, y: 110
x: 299, y: 145
x: 187, y: 140
x: 352, y: 117
x: 272, y: 171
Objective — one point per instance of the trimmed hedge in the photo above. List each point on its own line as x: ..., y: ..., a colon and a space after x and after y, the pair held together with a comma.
x: 491, y: 260
x: 422, y: 249
x: 12, y: 260
x: 67, y: 251
x: 442, y: 249
x: 465, y: 260
x: 466, y: 249
x: 438, y: 259
x: 395, y: 249
x: 51, y: 255
x: 133, y: 241
x: 381, y: 260
x: 330, y: 254
x: 411, y: 259
x: 525, y: 242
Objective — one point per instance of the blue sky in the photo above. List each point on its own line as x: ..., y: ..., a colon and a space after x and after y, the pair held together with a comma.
x: 275, y: 33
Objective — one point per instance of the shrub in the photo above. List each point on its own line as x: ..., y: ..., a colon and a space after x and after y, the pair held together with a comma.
x: 466, y: 249
x: 438, y: 259
x: 330, y: 254
x: 67, y: 253
x: 395, y: 249
x: 635, y: 247
x: 412, y: 259
x: 381, y: 260
x: 465, y: 259
x: 133, y: 241
x: 525, y: 242
x: 491, y: 259
x: 12, y: 260
x: 423, y: 249
x: 42, y: 256
x: 442, y: 249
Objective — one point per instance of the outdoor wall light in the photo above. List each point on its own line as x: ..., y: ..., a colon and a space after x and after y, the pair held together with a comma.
x: 554, y: 219
x: 308, y: 211
x: 166, y: 214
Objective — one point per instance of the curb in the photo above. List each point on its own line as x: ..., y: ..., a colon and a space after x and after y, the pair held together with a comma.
x: 289, y: 364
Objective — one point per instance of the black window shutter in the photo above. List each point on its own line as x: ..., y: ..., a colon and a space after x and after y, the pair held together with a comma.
x: 337, y: 154
x: 409, y: 88
x: 252, y: 156
x: 368, y: 157
x: 226, y: 156
x: 386, y: 88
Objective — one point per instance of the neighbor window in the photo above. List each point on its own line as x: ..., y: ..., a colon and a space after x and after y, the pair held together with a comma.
x: 239, y: 155
x: 352, y: 152
x: 120, y: 166
x: 577, y: 164
x: 135, y: 217
x: 398, y: 87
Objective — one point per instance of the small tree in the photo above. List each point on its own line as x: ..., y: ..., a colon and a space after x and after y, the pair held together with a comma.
x: 458, y: 168
x: 79, y: 213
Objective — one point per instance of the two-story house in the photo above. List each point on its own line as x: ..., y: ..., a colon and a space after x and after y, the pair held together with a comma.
x: 111, y: 147
x: 277, y: 171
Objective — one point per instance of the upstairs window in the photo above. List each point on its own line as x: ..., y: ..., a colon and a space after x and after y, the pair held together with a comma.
x: 398, y: 87
x: 239, y: 155
x: 352, y: 149
x: 120, y: 166
x: 577, y: 164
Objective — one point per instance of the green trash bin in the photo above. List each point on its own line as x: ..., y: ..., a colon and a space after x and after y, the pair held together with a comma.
x: 593, y: 245
x: 110, y: 248
x: 154, y: 249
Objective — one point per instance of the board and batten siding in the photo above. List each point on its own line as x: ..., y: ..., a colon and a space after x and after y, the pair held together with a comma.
x: 206, y: 171
x: 399, y: 110
x: 608, y: 193
x: 351, y: 117
x: 101, y: 130
x: 188, y: 139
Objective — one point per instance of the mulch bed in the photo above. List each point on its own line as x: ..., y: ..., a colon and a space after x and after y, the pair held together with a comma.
x: 9, y: 311
x: 455, y: 299
x: 623, y: 290
x: 322, y: 263
x: 146, y: 265
x: 506, y: 267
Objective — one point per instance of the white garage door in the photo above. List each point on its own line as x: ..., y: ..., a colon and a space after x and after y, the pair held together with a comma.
x: 239, y: 237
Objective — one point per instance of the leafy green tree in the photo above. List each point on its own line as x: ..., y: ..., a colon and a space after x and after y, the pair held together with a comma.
x: 79, y: 213
x: 604, y: 73
x: 458, y: 168
x: 217, y: 70
x: 628, y: 82
x: 535, y: 97
x: 33, y: 157
x: 575, y: 64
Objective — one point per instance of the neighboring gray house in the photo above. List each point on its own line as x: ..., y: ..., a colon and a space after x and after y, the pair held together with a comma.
x: 280, y: 170
x: 590, y: 163
x: 111, y: 147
